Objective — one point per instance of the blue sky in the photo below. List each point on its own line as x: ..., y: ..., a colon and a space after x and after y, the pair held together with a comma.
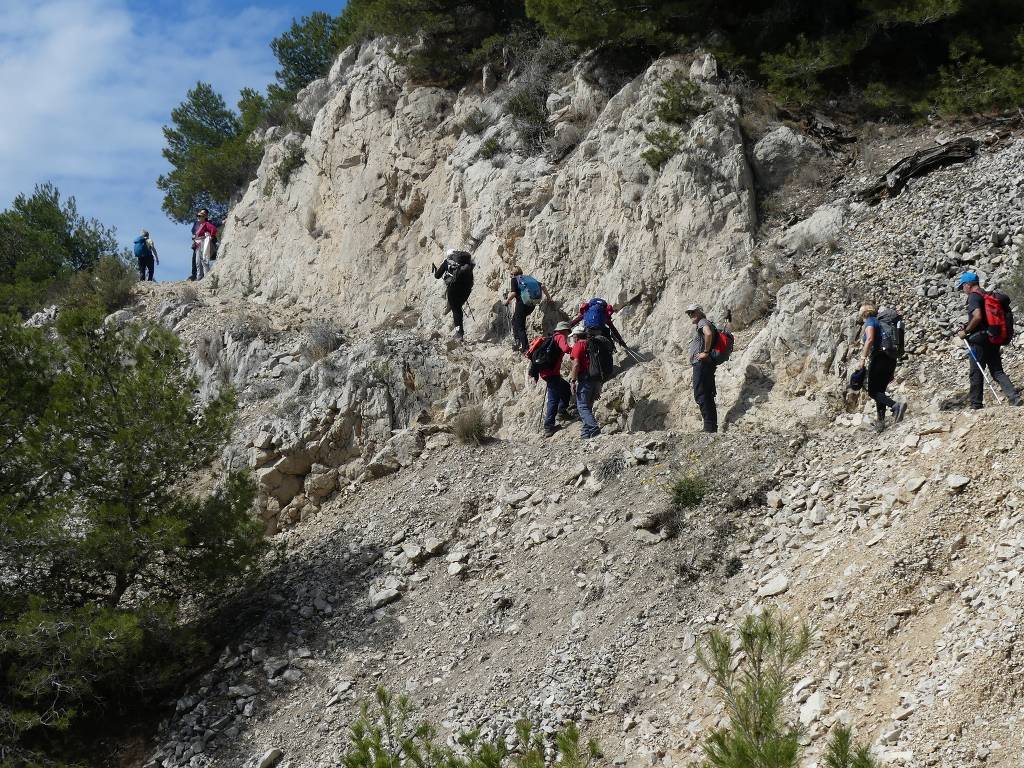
x: 87, y: 85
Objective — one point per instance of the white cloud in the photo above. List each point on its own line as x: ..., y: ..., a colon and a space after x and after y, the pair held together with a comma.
x: 88, y: 84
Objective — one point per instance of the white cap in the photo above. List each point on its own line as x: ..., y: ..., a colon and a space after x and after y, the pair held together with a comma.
x: 449, y: 251
x: 695, y: 308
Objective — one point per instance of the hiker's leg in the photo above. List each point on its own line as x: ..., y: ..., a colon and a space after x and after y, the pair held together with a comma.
x: 142, y: 268
x: 456, y: 314
x: 551, y: 401
x: 564, y: 392
x: 193, y: 264
x: 584, y: 390
x: 519, y: 325
x: 977, y: 379
x: 704, y: 394
x: 881, y: 371
x: 150, y: 266
x: 994, y: 358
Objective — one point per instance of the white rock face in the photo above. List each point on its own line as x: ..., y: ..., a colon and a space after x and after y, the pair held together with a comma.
x: 391, y: 178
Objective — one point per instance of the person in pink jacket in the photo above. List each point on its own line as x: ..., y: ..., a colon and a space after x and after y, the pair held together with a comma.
x: 203, y: 235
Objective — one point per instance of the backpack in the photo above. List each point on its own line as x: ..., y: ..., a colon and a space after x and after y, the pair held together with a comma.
x: 455, y: 266
x: 999, y: 318
x: 141, y: 248
x: 892, y: 336
x: 600, y: 350
x: 596, y: 314
x: 542, y: 353
x: 529, y: 290
x: 722, y: 347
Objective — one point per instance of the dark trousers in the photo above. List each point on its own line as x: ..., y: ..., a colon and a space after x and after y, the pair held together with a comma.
x: 519, y: 315
x: 704, y: 393
x: 989, y: 356
x: 193, y: 264
x: 457, y: 297
x: 881, y: 371
x: 146, y: 267
x: 559, y: 397
x: 586, y: 392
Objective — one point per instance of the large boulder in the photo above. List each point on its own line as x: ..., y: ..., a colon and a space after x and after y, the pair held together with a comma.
x: 779, y: 154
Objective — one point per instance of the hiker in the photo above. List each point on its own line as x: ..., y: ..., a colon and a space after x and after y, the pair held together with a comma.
x: 703, y: 366
x: 596, y: 316
x: 559, y: 394
x: 880, y: 364
x: 457, y: 272
x: 985, y: 337
x: 146, y: 254
x: 585, y: 387
x: 203, y: 235
x: 525, y: 292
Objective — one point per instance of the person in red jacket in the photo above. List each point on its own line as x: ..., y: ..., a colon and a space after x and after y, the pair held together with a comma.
x: 559, y: 394
x: 202, y: 229
x: 587, y: 388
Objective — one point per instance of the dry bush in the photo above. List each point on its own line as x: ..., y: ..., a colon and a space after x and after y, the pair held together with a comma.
x: 322, y: 338
x: 188, y: 294
x: 470, y: 426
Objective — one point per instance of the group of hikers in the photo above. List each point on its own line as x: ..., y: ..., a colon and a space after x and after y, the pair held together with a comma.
x: 204, y: 249
x: 589, y: 338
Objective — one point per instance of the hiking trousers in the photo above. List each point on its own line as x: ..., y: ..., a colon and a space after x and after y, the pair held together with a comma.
x: 146, y: 266
x: 519, y: 315
x: 989, y: 356
x: 586, y: 392
x: 881, y: 371
x: 559, y: 396
x: 457, y: 296
x: 704, y: 393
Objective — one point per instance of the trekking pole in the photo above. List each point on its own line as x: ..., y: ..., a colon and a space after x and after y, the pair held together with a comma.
x: 983, y: 372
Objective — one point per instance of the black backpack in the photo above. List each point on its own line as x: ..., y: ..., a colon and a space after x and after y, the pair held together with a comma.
x: 457, y: 267
x: 601, y: 352
x: 542, y: 353
x: 893, y: 334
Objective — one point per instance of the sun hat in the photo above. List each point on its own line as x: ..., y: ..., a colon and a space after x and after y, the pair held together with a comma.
x: 563, y: 326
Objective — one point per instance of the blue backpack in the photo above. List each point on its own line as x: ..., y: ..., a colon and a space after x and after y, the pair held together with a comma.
x: 141, y: 247
x: 529, y: 290
x: 596, y: 314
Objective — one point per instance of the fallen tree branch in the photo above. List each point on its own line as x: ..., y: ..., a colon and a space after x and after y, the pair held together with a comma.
x: 892, y: 182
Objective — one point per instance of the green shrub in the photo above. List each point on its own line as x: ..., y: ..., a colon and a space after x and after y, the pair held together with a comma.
x: 387, y: 735
x: 680, y: 101
x: 100, y: 538
x: 687, y: 491
x: 665, y: 144
x: 109, y: 285
x: 470, y: 426
x: 294, y: 158
x: 489, y: 148
x: 841, y: 752
x: 477, y: 121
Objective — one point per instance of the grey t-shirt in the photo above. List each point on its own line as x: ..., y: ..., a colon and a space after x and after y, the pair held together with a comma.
x: 697, y: 344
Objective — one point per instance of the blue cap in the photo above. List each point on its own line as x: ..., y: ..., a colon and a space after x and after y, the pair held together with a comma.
x: 967, y: 277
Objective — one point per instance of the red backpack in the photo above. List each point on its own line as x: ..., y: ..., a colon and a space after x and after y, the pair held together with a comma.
x: 999, y: 318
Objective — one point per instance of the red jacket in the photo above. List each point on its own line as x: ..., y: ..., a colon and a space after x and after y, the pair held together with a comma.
x: 563, y: 349
x: 579, y: 352
x: 199, y: 231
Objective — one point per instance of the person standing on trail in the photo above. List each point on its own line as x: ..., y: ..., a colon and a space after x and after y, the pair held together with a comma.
x: 203, y: 235
x: 986, y: 330
x: 559, y: 393
x: 596, y: 316
x: 881, y: 367
x: 703, y: 366
x: 457, y: 272
x: 586, y: 387
x: 525, y: 293
x: 145, y: 253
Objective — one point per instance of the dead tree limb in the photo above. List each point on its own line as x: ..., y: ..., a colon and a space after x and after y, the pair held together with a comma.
x: 892, y: 182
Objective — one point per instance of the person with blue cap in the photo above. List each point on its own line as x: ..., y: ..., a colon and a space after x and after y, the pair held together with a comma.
x: 984, y: 353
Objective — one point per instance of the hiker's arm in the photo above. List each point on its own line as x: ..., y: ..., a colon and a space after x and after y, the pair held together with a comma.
x: 869, y: 344
x: 438, y: 270
x: 574, y: 372
x: 974, y: 321
x: 618, y: 336
x: 708, y: 341
x: 576, y: 320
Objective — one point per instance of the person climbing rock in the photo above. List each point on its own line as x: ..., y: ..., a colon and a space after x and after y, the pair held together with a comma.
x: 524, y: 295
x: 203, y: 235
x: 986, y: 331
x: 703, y: 366
x: 457, y: 272
x: 880, y: 364
x: 559, y: 394
x: 145, y: 253
x: 596, y: 315
x: 586, y: 387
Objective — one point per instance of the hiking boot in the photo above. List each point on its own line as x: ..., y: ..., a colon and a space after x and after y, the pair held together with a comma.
x: 550, y: 431
x: 879, y: 425
x: 898, y: 411
x: 588, y: 435
x: 568, y: 415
